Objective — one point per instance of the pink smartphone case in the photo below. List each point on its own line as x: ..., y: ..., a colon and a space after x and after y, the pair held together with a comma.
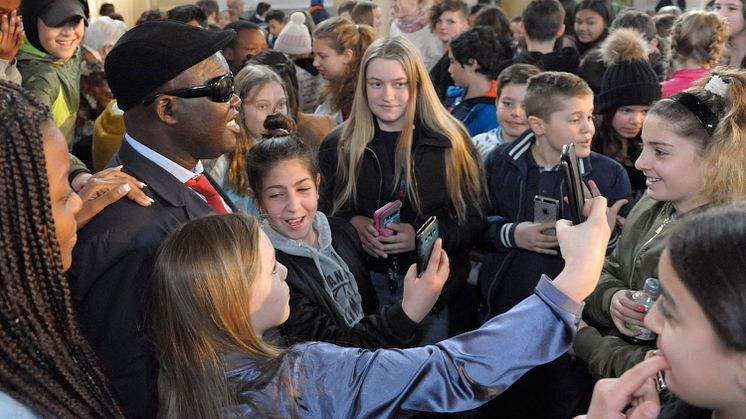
x: 382, y: 213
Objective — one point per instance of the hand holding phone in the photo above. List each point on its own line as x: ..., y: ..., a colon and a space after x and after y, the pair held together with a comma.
x: 387, y: 214
x: 546, y: 211
x: 573, y: 183
x: 425, y: 240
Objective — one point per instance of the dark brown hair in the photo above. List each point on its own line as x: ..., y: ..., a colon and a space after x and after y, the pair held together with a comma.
x: 707, y: 252
x: 516, y: 74
x: 45, y: 362
x: 542, y: 19
x: 279, y: 143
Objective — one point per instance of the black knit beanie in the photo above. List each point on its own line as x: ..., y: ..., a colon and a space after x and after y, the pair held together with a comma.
x: 629, y: 79
x: 31, y: 10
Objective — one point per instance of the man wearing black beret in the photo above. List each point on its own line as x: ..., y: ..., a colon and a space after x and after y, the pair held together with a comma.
x: 179, y: 107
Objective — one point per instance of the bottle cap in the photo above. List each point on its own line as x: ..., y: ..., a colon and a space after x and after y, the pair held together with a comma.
x: 652, y: 287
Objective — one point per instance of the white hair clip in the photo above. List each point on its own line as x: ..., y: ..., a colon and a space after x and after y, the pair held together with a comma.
x: 718, y: 86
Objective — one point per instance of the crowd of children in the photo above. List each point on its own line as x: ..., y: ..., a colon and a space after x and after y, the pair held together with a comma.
x: 246, y: 274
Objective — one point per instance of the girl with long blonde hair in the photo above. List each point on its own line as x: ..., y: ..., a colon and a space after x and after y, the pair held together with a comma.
x: 401, y: 144
x: 213, y: 308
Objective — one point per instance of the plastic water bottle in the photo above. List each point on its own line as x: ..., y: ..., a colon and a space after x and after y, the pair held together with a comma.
x: 645, y: 297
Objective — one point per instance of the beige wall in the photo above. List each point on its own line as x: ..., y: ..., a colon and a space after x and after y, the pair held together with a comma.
x: 131, y: 9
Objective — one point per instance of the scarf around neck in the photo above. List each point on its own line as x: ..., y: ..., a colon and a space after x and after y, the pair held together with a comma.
x: 413, y: 22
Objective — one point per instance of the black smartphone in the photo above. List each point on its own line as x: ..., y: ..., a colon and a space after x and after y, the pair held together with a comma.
x: 425, y: 240
x: 573, y: 183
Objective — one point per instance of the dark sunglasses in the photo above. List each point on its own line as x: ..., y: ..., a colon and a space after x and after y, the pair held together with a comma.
x: 219, y: 89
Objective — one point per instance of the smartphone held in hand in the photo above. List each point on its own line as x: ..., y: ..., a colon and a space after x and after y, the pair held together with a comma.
x: 387, y: 214
x: 573, y: 183
x: 546, y: 211
x: 425, y: 240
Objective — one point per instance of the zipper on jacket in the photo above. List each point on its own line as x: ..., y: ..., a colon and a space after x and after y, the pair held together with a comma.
x: 658, y: 231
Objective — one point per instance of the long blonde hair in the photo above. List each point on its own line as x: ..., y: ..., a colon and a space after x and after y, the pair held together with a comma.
x: 202, y: 280
x: 462, y: 171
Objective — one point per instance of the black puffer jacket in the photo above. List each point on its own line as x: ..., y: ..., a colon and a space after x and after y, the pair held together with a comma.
x: 314, y: 315
x: 375, y: 188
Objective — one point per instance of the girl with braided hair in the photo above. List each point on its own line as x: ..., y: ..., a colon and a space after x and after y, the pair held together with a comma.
x: 697, y: 43
x: 45, y: 363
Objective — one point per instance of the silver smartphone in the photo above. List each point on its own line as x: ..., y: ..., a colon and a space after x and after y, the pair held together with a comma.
x: 546, y: 210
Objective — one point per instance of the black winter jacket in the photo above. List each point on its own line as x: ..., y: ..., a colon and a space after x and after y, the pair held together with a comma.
x: 314, y: 315
x: 375, y: 188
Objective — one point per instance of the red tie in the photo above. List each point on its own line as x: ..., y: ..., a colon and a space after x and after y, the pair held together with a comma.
x: 203, y: 186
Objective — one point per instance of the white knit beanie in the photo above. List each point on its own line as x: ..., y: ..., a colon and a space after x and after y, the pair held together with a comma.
x: 294, y: 38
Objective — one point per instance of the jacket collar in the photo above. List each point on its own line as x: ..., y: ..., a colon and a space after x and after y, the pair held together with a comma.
x: 523, y: 144
x: 165, y: 185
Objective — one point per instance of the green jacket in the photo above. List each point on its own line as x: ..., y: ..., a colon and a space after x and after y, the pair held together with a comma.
x: 634, y: 260
x: 55, y: 82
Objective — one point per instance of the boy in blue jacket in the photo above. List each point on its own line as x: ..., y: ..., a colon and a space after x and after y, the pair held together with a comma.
x: 559, y: 109
x: 475, y: 56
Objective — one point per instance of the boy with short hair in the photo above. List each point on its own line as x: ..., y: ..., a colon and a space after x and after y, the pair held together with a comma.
x: 474, y: 57
x: 511, y: 114
x: 275, y: 23
x: 559, y: 109
x: 542, y: 24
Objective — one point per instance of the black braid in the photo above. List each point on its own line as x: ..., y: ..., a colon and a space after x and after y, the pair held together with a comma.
x: 45, y: 362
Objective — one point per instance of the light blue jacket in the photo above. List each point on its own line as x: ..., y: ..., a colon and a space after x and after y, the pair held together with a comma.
x: 457, y: 374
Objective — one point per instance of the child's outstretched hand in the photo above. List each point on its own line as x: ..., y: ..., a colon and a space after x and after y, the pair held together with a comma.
x: 583, y: 247
x: 420, y: 293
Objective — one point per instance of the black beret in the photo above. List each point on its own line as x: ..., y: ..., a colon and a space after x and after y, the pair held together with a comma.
x: 149, y: 55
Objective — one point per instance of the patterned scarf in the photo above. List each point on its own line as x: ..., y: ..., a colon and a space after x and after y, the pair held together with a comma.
x: 413, y: 22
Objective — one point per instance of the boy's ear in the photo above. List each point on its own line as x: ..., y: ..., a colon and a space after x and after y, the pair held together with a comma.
x: 536, y: 124
x: 560, y: 31
x: 522, y: 29
x: 473, y: 65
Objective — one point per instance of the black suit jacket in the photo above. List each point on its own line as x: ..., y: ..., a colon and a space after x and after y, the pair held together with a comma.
x: 110, y: 276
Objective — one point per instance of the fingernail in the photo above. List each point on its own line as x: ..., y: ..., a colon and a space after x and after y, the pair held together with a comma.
x: 151, y: 201
x: 143, y: 185
x: 119, y: 167
x: 124, y: 189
